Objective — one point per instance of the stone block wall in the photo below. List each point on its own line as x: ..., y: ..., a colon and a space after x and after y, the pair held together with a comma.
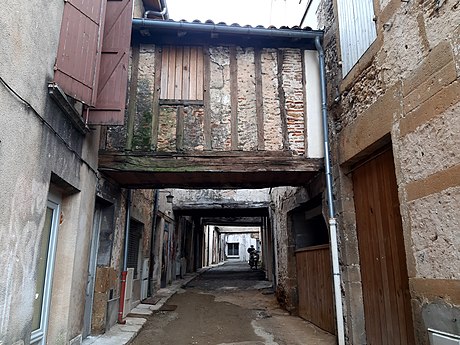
x: 405, y: 91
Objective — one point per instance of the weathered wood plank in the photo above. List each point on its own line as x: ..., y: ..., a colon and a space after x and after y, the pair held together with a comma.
x: 233, y: 98
x: 259, y: 99
x: 193, y: 78
x: 132, y: 97
x: 382, y: 253
x: 282, y: 98
x: 155, y: 162
x: 156, y: 97
x: 200, y: 70
x: 186, y: 74
x: 314, y: 278
x: 178, y: 70
x: 164, y: 72
x: 171, y: 73
x: 207, y: 98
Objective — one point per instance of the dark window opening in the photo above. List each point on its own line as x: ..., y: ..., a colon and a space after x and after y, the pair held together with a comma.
x: 233, y: 249
x: 308, y: 225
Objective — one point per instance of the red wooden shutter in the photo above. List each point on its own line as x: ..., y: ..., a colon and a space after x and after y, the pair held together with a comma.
x: 113, y: 74
x: 78, y: 57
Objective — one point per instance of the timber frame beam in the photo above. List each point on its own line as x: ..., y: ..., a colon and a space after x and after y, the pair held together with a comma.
x: 232, y: 169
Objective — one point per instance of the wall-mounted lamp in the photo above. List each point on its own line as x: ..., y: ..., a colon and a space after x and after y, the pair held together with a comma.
x: 169, y: 197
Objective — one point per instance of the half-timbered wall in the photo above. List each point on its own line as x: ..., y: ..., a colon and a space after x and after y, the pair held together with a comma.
x: 220, y: 98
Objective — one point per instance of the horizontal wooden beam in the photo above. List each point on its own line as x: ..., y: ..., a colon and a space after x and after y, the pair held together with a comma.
x: 208, y: 169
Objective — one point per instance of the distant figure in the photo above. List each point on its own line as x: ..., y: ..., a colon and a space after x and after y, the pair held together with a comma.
x: 251, y: 249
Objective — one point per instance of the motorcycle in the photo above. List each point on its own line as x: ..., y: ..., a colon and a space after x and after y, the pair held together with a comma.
x: 254, y: 259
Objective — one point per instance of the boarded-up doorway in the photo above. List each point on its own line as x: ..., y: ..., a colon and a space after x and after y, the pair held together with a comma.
x: 382, y: 256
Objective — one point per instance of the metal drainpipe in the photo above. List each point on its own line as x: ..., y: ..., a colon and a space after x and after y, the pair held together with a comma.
x: 332, y: 219
x: 163, y: 14
x: 125, y: 260
x: 156, y: 13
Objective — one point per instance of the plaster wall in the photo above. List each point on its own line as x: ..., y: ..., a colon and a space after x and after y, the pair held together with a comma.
x: 403, y: 91
x: 244, y: 241
x: 284, y: 200
x: 38, y: 148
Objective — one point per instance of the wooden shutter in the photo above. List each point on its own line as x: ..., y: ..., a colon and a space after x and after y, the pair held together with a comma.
x: 78, y: 57
x: 357, y: 30
x: 113, y: 74
x: 182, y: 73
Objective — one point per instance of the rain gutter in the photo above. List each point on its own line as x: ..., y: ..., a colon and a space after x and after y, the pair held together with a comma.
x: 143, y: 23
x: 330, y: 199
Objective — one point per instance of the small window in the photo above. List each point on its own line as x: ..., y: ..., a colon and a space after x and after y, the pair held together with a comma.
x: 233, y: 249
x: 357, y: 30
x: 182, y: 73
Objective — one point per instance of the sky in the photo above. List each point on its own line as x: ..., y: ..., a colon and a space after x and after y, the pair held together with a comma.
x: 243, y: 12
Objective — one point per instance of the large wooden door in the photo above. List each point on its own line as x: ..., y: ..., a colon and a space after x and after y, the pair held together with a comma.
x: 382, y: 255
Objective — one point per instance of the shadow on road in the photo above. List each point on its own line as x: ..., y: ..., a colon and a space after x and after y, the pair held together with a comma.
x: 235, y: 275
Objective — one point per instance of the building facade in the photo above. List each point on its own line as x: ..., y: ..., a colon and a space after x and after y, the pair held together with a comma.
x: 393, y: 76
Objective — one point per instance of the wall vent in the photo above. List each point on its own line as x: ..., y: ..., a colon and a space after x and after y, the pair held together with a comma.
x: 443, y: 338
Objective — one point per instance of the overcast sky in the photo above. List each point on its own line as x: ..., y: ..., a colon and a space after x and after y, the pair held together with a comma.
x: 243, y: 12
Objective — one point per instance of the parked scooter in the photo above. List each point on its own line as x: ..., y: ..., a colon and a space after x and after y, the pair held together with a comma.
x: 254, y: 259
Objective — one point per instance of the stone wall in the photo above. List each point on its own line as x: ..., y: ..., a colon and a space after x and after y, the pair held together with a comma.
x: 404, y: 90
x: 283, y: 200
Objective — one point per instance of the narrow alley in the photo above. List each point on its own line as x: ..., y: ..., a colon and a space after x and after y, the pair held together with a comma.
x: 146, y: 145
x: 228, y: 304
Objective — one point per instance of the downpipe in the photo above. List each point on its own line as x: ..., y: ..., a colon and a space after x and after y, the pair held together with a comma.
x: 125, y: 261
x: 330, y: 200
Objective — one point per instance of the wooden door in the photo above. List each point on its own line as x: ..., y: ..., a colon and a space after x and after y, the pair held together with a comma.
x: 382, y: 255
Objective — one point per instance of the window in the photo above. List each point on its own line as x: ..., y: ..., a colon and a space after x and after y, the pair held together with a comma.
x: 357, y: 30
x: 45, y: 270
x: 233, y: 249
x: 182, y: 73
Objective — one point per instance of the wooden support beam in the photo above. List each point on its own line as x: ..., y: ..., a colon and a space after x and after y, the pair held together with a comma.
x: 234, y: 98
x: 207, y: 99
x: 132, y: 97
x: 282, y: 98
x: 259, y: 99
x: 223, y: 161
x: 180, y: 128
